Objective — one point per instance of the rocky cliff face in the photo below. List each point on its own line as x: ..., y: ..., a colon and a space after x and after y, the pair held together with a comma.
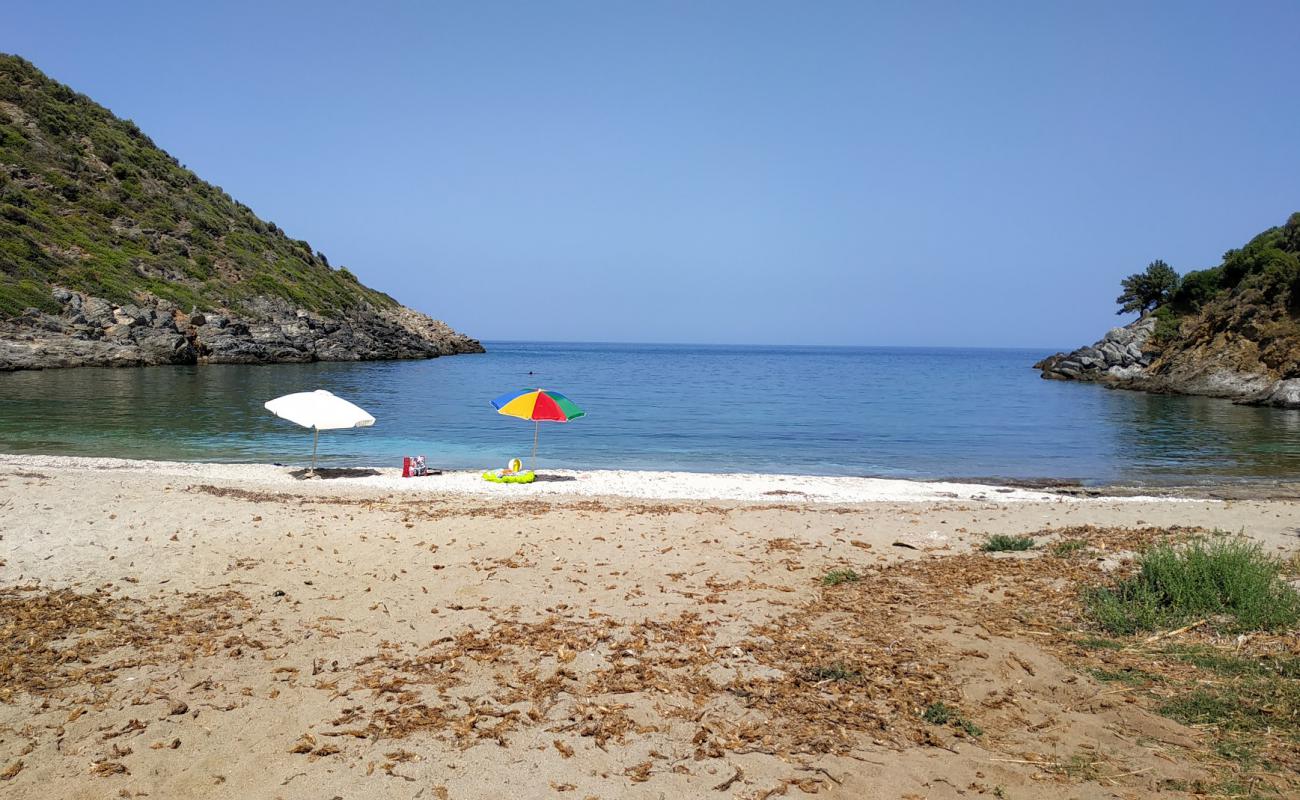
x: 92, y: 332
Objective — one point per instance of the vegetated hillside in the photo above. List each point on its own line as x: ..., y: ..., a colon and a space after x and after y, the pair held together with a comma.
x: 1228, y: 331
x: 99, y: 229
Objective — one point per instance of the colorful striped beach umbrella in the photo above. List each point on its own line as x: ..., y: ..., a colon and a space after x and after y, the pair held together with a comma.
x: 538, y: 405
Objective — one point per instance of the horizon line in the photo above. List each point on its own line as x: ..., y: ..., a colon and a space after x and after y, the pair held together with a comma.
x: 770, y: 344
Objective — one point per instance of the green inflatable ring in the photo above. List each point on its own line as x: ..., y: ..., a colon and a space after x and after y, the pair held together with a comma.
x: 499, y: 476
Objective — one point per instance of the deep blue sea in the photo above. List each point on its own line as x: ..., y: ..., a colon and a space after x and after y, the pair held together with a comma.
x: 876, y: 411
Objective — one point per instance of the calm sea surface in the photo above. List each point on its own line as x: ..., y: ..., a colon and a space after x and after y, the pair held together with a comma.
x: 901, y: 412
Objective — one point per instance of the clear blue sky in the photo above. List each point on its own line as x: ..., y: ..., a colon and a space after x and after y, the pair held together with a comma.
x: 843, y: 173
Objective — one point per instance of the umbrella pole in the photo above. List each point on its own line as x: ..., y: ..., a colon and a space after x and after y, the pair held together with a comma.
x: 315, y: 439
x: 537, y: 426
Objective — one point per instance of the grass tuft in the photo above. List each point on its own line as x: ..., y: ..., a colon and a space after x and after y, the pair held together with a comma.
x: 943, y: 714
x: 1248, y: 705
x: 938, y: 713
x: 1209, y: 707
x: 1228, y: 665
x: 1001, y: 543
x: 837, y: 576
x: 1129, y: 676
x: 1245, y: 695
x: 1069, y: 547
x: 1099, y: 643
x: 1231, y: 581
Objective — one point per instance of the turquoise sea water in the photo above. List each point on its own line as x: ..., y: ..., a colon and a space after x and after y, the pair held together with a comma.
x: 898, y: 412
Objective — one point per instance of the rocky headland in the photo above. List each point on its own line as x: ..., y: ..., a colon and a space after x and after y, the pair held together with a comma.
x: 1231, y: 331
x: 114, y: 254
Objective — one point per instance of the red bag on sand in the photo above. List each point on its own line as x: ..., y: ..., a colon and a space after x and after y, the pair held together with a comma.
x: 406, y: 466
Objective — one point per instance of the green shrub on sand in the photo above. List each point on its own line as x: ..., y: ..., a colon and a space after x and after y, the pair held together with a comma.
x: 1001, y: 543
x: 1069, y: 547
x: 943, y: 714
x: 837, y: 576
x: 1231, y: 583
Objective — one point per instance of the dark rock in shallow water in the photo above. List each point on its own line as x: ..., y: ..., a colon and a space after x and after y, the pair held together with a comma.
x: 90, y: 331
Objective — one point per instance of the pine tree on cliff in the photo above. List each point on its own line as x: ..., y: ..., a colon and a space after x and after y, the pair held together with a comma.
x: 1146, y: 290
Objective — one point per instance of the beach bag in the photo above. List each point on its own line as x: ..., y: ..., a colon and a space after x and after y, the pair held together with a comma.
x: 414, y: 467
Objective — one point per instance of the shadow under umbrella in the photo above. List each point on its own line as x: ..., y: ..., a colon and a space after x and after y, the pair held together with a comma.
x: 332, y: 473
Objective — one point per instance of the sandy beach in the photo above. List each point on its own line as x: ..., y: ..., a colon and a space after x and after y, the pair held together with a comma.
x: 233, y: 631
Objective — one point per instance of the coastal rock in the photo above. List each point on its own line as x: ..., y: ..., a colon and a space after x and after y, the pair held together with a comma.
x: 163, y: 347
x: 1282, y: 394
x: 1120, y: 355
x: 120, y: 332
x: 96, y: 311
x: 91, y: 331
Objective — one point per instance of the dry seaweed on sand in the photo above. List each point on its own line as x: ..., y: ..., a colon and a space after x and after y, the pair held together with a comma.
x: 106, y: 769
x: 856, y: 666
x: 852, y: 665
x: 47, y: 637
x: 434, y: 509
x: 757, y: 696
x: 53, y: 639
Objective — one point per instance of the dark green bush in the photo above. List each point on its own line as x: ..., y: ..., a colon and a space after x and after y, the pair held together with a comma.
x: 1167, y: 324
x: 1196, y: 289
x: 1269, y: 256
x: 1291, y: 234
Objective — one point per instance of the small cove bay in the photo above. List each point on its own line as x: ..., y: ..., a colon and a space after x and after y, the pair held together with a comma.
x: 857, y: 411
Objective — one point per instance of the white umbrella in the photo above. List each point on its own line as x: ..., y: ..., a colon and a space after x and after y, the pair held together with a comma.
x: 321, y: 411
